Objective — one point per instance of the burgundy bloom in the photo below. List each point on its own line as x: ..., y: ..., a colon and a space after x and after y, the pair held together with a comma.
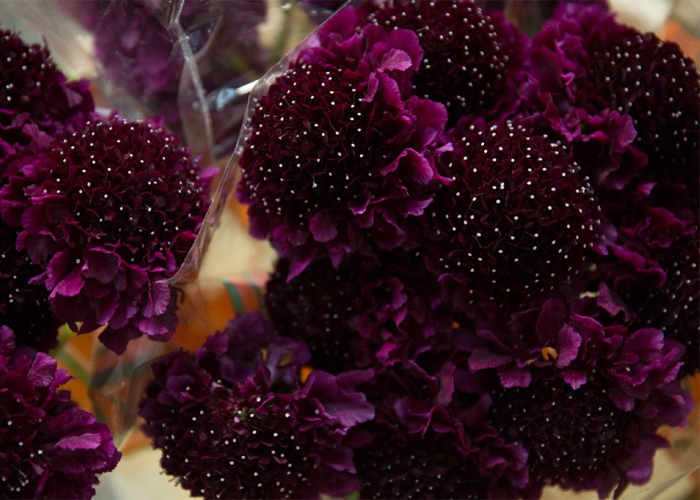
x: 652, y: 273
x: 518, y: 219
x: 585, y: 60
x: 428, y: 441
x: 398, y: 464
x: 262, y: 435
x: 590, y: 404
x: 472, y: 59
x: 34, y: 95
x: 337, y: 153
x: 367, y: 313
x: 110, y: 212
x: 49, y: 448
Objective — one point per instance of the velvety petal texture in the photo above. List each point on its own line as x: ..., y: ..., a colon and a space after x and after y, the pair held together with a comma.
x: 589, y: 397
x: 49, y: 448
x: 339, y: 150
x: 109, y: 212
x: 242, y: 424
x: 478, y: 53
x: 35, y: 96
x: 487, y: 251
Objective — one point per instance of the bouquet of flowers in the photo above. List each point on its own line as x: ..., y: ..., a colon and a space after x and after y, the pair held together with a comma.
x: 486, y: 233
x: 487, y: 273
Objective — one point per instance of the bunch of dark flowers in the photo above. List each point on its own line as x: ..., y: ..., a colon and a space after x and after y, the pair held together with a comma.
x: 97, y: 213
x: 493, y: 236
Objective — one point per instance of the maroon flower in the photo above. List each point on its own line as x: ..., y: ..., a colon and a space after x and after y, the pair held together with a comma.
x: 398, y: 464
x: 651, y: 272
x: 110, y: 212
x: 584, y: 60
x: 337, y: 150
x: 48, y: 447
x: 472, y: 59
x: 516, y: 197
x: 589, y: 403
x: 263, y: 435
x: 429, y: 441
x: 34, y: 93
x: 367, y: 313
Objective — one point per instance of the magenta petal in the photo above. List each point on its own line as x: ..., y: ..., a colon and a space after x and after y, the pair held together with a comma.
x: 158, y: 300
x: 575, y: 378
x: 70, y: 286
x: 568, y: 343
x: 322, y: 228
x: 395, y: 59
x: 514, y: 377
x: 339, y: 459
x: 611, y: 302
x: 447, y: 384
x: 621, y: 400
x: 88, y: 441
x: 43, y: 370
x: 550, y: 321
x: 483, y: 358
x: 59, y: 266
x: 101, y: 265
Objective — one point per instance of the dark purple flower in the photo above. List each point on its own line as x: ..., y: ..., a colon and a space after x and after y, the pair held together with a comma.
x: 110, y: 212
x: 34, y: 95
x: 584, y: 60
x: 651, y: 272
x: 49, y: 448
x: 337, y: 153
x: 262, y: 435
x: 516, y: 197
x: 429, y: 441
x: 589, y: 398
x: 368, y: 312
x: 472, y: 59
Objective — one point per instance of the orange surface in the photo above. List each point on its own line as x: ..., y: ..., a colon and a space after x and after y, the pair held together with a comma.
x: 675, y: 32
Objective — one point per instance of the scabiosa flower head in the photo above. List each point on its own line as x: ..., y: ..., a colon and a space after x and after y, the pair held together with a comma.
x: 472, y: 59
x: 315, y: 307
x: 111, y: 213
x: 34, y: 92
x: 367, y: 313
x: 264, y: 435
x: 421, y: 447
x: 49, y: 448
x: 590, y: 402
x: 589, y: 61
x: 652, y: 273
x: 516, y: 196
x: 24, y: 307
x: 337, y: 150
